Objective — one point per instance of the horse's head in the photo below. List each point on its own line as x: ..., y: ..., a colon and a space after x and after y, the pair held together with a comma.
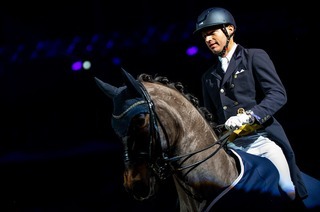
x: 134, y: 122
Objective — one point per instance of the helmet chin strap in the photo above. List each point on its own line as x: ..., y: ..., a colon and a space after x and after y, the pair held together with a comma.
x: 224, y: 30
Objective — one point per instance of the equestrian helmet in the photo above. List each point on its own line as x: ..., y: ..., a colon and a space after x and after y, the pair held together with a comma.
x: 214, y: 16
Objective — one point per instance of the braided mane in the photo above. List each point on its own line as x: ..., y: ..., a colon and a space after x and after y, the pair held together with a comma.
x: 179, y: 87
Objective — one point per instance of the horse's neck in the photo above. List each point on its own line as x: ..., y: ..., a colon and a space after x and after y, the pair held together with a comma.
x: 188, y: 132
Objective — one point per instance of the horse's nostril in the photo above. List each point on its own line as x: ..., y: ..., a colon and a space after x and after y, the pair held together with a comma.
x: 140, y: 189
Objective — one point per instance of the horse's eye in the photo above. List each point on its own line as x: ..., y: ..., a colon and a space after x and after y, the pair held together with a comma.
x: 140, y: 121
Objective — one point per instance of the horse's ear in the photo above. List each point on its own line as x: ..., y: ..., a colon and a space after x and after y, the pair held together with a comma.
x: 132, y: 84
x: 110, y: 90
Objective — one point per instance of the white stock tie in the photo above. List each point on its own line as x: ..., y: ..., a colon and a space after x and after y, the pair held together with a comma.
x: 224, y: 63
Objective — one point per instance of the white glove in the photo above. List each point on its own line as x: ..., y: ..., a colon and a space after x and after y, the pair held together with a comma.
x: 235, y: 122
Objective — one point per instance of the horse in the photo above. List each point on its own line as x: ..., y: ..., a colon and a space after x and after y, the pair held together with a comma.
x: 166, y: 134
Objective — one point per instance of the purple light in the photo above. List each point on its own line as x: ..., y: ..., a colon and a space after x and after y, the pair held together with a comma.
x: 193, y: 50
x: 76, y: 66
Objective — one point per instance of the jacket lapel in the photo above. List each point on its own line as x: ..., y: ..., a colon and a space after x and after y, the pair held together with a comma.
x: 234, y: 63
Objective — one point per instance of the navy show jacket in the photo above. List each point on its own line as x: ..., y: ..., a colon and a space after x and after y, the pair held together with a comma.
x: 251, y: 82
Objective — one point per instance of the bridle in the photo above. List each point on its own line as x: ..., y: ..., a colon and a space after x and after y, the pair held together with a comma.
x: 159, y: 160
x: 157, y: 154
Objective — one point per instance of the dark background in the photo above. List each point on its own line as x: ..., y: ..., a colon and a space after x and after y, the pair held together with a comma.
x: 57, y: 149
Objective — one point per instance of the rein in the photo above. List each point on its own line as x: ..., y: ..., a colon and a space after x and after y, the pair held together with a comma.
x: 221, y: 142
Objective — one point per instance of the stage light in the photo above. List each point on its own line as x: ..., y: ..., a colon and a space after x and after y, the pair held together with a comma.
x: 76, y: 66
x: 191, y: 51
x: 86, y: 65
x: 80, y: 65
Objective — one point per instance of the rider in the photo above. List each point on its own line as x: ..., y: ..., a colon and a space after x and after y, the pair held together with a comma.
x: 249, y: 83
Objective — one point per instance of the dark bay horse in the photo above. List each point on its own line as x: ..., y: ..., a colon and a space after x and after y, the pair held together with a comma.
x: 166, y: 134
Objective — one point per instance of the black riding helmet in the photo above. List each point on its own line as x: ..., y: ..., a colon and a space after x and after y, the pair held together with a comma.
x: 216, y: 17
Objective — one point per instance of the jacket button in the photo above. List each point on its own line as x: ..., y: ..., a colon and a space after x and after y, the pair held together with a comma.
x: 221, y: 90
x: 225, y: 107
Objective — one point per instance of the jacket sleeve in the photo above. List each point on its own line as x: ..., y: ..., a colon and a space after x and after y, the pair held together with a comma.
x: 268, y: 80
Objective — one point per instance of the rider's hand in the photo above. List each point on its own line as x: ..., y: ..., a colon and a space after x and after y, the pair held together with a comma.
x: 235, y: 122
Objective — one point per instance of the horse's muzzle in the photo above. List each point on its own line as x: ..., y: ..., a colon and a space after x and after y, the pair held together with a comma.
x: 139, y: 184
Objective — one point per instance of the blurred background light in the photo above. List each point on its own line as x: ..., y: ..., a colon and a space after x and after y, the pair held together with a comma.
x: 86, y: 65
x: 116, y: 60
x: 76, y: 66
x: 191, y: 51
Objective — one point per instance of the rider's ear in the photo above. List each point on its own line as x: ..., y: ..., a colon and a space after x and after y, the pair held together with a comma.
x: 230, y: 29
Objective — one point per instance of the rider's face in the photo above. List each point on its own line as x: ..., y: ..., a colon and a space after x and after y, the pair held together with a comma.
x: 215, y: 39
